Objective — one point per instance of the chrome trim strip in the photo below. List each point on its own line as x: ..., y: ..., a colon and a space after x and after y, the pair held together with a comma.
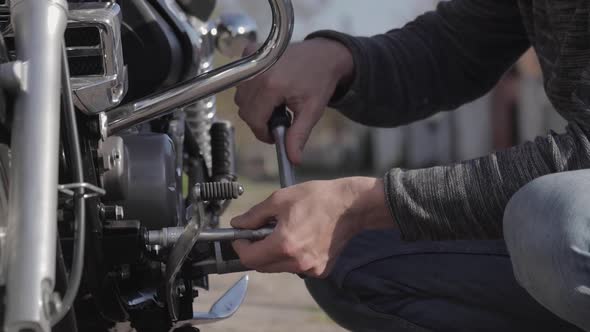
x: 97, y: 93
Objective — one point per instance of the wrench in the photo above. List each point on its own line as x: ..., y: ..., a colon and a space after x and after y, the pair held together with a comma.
x: 168, y: 237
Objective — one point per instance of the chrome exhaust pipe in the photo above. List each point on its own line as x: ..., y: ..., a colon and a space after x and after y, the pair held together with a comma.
x: 212, y: 82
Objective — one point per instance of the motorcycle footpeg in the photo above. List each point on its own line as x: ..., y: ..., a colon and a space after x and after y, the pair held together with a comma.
x: 222, y: 309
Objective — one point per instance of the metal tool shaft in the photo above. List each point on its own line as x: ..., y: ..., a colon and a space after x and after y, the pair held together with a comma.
x: 286, y: 173
x: 278, y: 124
x: 232, y: 234
x: 168, y: 236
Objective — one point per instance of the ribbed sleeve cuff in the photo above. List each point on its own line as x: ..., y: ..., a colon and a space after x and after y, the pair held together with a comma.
x: 407, y: 225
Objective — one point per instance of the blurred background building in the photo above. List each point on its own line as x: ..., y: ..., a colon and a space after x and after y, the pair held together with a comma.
x: 515, y: 111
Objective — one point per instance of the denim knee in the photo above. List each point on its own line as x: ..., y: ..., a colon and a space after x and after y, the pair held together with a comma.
x: 346, y: 310
x: 547, y: 232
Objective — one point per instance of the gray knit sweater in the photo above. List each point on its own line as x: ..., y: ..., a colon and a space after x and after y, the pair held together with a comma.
x: 451, y: 56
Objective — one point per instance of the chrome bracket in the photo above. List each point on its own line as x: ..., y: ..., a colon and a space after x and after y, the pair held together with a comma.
x: 88, y: 190
x: 180, y: 252
x: 13, y: 75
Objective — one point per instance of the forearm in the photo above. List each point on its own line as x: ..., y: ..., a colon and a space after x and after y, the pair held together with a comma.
x: 467, y: 200
x: 369, y: 205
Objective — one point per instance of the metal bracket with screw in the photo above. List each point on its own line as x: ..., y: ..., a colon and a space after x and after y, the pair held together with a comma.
x: 88, y: 189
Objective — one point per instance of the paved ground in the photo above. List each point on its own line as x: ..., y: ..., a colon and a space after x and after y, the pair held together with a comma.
x: 277, y: 302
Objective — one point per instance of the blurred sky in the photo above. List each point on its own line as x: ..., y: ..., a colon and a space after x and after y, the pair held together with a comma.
x: 356, y: 17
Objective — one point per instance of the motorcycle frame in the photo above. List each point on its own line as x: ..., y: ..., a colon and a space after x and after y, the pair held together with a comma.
x: 39, y: 27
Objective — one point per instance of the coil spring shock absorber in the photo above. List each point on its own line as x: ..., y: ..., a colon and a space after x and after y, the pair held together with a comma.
x: 200, y: 117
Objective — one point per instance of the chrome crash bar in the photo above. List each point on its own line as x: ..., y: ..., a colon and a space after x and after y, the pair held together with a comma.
x: 212, y: 82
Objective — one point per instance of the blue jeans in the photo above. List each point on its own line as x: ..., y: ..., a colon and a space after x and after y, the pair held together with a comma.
x: 381, y: 283
x: 547, y: 231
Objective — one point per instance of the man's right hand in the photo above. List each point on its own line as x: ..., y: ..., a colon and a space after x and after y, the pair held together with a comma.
x: 304, y: 79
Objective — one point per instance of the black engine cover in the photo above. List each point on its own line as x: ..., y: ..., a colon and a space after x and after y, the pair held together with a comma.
x: 152, y: 50
x: 139, y: 174
x: 152, y: 189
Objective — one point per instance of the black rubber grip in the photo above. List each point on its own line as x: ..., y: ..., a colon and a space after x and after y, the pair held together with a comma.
x: 280, y: 118
x: 223, y: 151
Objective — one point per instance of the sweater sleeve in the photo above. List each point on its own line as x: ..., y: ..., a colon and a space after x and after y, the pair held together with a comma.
x: 439, y: 61
x: 467, y: 200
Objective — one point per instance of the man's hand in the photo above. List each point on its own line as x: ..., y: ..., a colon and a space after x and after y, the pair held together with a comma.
x: 305, y: 79
x: 314, y: 220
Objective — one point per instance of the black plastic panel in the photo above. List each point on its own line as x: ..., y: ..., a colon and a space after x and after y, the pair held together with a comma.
x: 86, y: 66
x: 151, y: 49
x: 82, y: 36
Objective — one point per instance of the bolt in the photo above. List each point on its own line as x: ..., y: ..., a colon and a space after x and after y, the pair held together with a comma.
x: 119, y: 213
x: 180, y: 289
x: 103, y: 125
x: 112, y: 212
x: 52, y: 303
x: 156, y: 249
x: 125, y: 272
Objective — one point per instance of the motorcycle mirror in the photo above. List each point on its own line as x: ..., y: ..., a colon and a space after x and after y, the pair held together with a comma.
x: 234, y: 33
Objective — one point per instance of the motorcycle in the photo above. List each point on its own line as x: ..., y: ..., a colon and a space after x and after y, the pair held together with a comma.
x: 114, y: 168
